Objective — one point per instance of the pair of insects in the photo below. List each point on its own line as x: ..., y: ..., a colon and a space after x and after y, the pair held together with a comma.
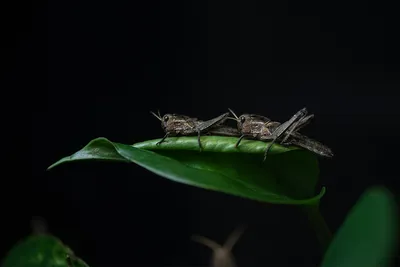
x: 249, y: 126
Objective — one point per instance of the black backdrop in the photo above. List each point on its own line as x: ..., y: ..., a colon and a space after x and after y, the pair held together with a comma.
x: 78, y: 70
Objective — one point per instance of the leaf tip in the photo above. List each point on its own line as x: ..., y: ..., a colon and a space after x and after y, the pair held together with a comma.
x: 323, y: 190
x: 57, y: 163
x: 321, y: 193
x: 317, y: 198
x: 52, y: 166
x: 70, y: 158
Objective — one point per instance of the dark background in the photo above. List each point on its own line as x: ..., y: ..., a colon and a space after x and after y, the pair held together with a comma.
x: 76, y: 70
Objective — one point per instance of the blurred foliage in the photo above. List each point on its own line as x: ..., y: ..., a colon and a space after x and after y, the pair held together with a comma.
x: 42, y: 251
x: 368, y: 236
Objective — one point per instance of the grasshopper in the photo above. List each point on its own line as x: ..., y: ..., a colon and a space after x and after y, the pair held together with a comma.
x: 175, y: 124
x: 262, y: 128
x: 293, y: 137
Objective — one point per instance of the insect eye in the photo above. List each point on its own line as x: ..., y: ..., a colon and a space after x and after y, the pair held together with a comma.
x: 242, y: 119
x: 166, y: 118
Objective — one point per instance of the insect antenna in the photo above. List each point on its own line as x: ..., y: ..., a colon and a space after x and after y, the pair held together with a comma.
x: 230, y: 118
x: 157, y: 116
x: 233, y: 113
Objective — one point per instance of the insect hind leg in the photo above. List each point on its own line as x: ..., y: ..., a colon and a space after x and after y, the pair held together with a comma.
x: 300, y: 123
x: 284, y: 127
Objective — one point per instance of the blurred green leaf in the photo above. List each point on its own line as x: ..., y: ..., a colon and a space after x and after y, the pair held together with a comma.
x: 368, y: 235
x: 288, y: 176
x: 41, y: 251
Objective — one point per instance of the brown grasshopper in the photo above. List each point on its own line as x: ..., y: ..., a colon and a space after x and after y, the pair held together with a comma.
x: 222, y: 256
x: 175, y: 124
x: 262, y: 128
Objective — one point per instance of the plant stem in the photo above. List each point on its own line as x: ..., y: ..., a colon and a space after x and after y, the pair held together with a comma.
x: 319, y: 225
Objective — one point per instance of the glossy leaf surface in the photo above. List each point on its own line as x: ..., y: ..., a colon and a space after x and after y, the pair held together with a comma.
x: 288, y: 176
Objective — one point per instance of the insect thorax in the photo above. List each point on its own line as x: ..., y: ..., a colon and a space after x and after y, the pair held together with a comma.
x: 180, y: 125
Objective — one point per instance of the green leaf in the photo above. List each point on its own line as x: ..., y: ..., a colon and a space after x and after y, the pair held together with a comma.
x: 41, y: 251
x: 288, y: 176
x: 368, y: 235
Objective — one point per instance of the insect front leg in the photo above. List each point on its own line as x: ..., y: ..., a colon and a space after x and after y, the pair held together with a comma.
x: 162, y: 140
x: 240, y: 139
x: 198, y: 139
